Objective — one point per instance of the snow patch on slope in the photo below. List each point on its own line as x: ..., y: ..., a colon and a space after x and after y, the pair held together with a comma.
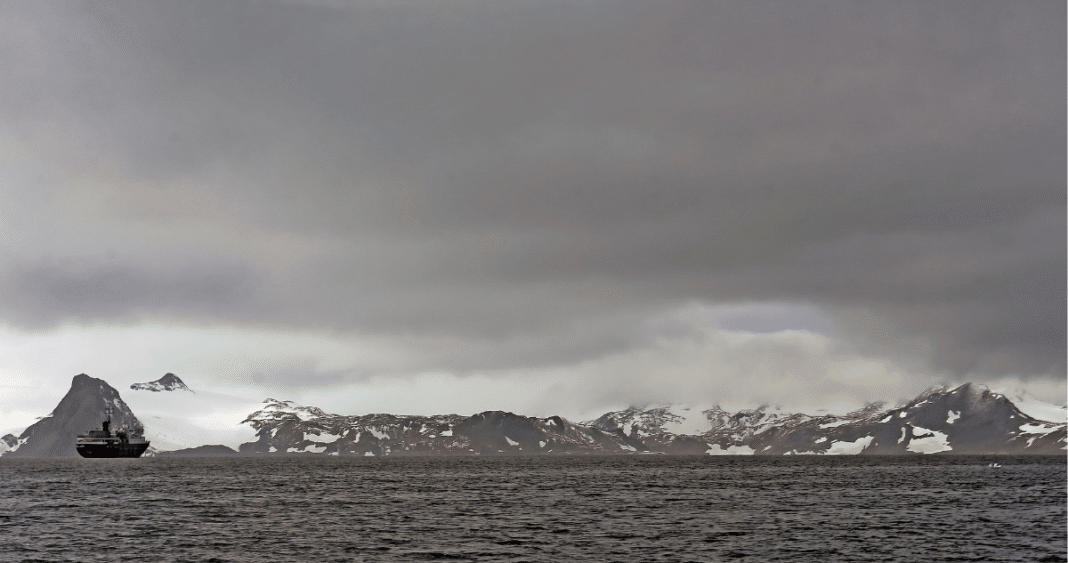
x: 691, y: 421
x: 322, y: 438
x: 850, y: 448
x: 715, y: 449
x: 929, y: 441
x: 1041, y: 410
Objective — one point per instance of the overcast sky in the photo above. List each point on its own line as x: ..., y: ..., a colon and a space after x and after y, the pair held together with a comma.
x: 535, y: 206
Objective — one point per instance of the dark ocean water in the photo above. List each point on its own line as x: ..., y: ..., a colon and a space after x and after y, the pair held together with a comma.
x: 635, y: 508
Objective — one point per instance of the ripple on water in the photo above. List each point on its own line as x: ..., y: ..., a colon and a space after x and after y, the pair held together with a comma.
x: 534, y: 509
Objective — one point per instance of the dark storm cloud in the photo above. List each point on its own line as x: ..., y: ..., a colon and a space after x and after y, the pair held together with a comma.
x: 499, y: 171
x: 50, y: 294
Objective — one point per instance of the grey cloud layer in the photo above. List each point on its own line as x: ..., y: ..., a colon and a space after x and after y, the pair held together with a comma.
x: 494, y: 171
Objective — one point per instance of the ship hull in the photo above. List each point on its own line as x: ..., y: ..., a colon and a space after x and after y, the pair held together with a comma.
x: 111, y: 450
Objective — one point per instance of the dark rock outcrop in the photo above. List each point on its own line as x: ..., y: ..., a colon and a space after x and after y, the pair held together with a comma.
x: 200, y: 451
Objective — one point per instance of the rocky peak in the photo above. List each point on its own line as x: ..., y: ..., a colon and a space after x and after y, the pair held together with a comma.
x: 81, y: 409
x: 169, y: 382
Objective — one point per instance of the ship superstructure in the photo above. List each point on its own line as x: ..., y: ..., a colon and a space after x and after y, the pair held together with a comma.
x: 105, y: 442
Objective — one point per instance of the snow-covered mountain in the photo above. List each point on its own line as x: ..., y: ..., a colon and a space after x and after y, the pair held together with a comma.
x: 284, y: 427
x: 81, y: 409
x: 969, y: 419
x: 168, y: 382
x: 178, y: 418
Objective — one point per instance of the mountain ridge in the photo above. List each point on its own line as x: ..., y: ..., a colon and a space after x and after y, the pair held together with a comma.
x: 968, y: 419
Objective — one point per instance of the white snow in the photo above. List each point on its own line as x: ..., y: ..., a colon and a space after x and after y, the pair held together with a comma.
x: 691, y: 421
x: 887, y: 419
x: 850, y: 448
x: 902, y: 414
x: 621, y: 446
x: 16, y: 446
x: 953, y: 416
x: 541, y: 444
x: 904, y: 432
x: 368, y: 454
x: 931, y: 443
x: 821, y: 440
x: 447, y: 432
x: 510, y: 441
x: 836, y: 423
x: 1037, y: 431
x: 323, y: 438
x: 1040, y: 429
x: 175, y: 421
x: 1041, y: 410
x: 378, y: 433
x: 303, y: 415
x: 715, y: 449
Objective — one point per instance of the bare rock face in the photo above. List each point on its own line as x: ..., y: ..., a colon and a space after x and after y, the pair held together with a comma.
x: 169, y: 382
x: 200, y: 451
x: 7, y: 442
x: 81, y: 409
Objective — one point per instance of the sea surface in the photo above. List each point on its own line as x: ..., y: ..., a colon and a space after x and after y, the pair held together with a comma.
x: 558, y: 509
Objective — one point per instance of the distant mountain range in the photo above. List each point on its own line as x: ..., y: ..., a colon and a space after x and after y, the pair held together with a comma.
x: 969, y: 419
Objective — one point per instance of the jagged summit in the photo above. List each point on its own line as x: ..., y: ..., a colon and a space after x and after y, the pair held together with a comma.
x: 169, y: 382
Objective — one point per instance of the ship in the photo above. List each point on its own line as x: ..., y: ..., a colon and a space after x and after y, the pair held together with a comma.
x: 105, y: 442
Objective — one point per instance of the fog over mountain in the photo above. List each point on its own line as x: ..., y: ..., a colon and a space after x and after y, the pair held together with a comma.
x: 550, y: 208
